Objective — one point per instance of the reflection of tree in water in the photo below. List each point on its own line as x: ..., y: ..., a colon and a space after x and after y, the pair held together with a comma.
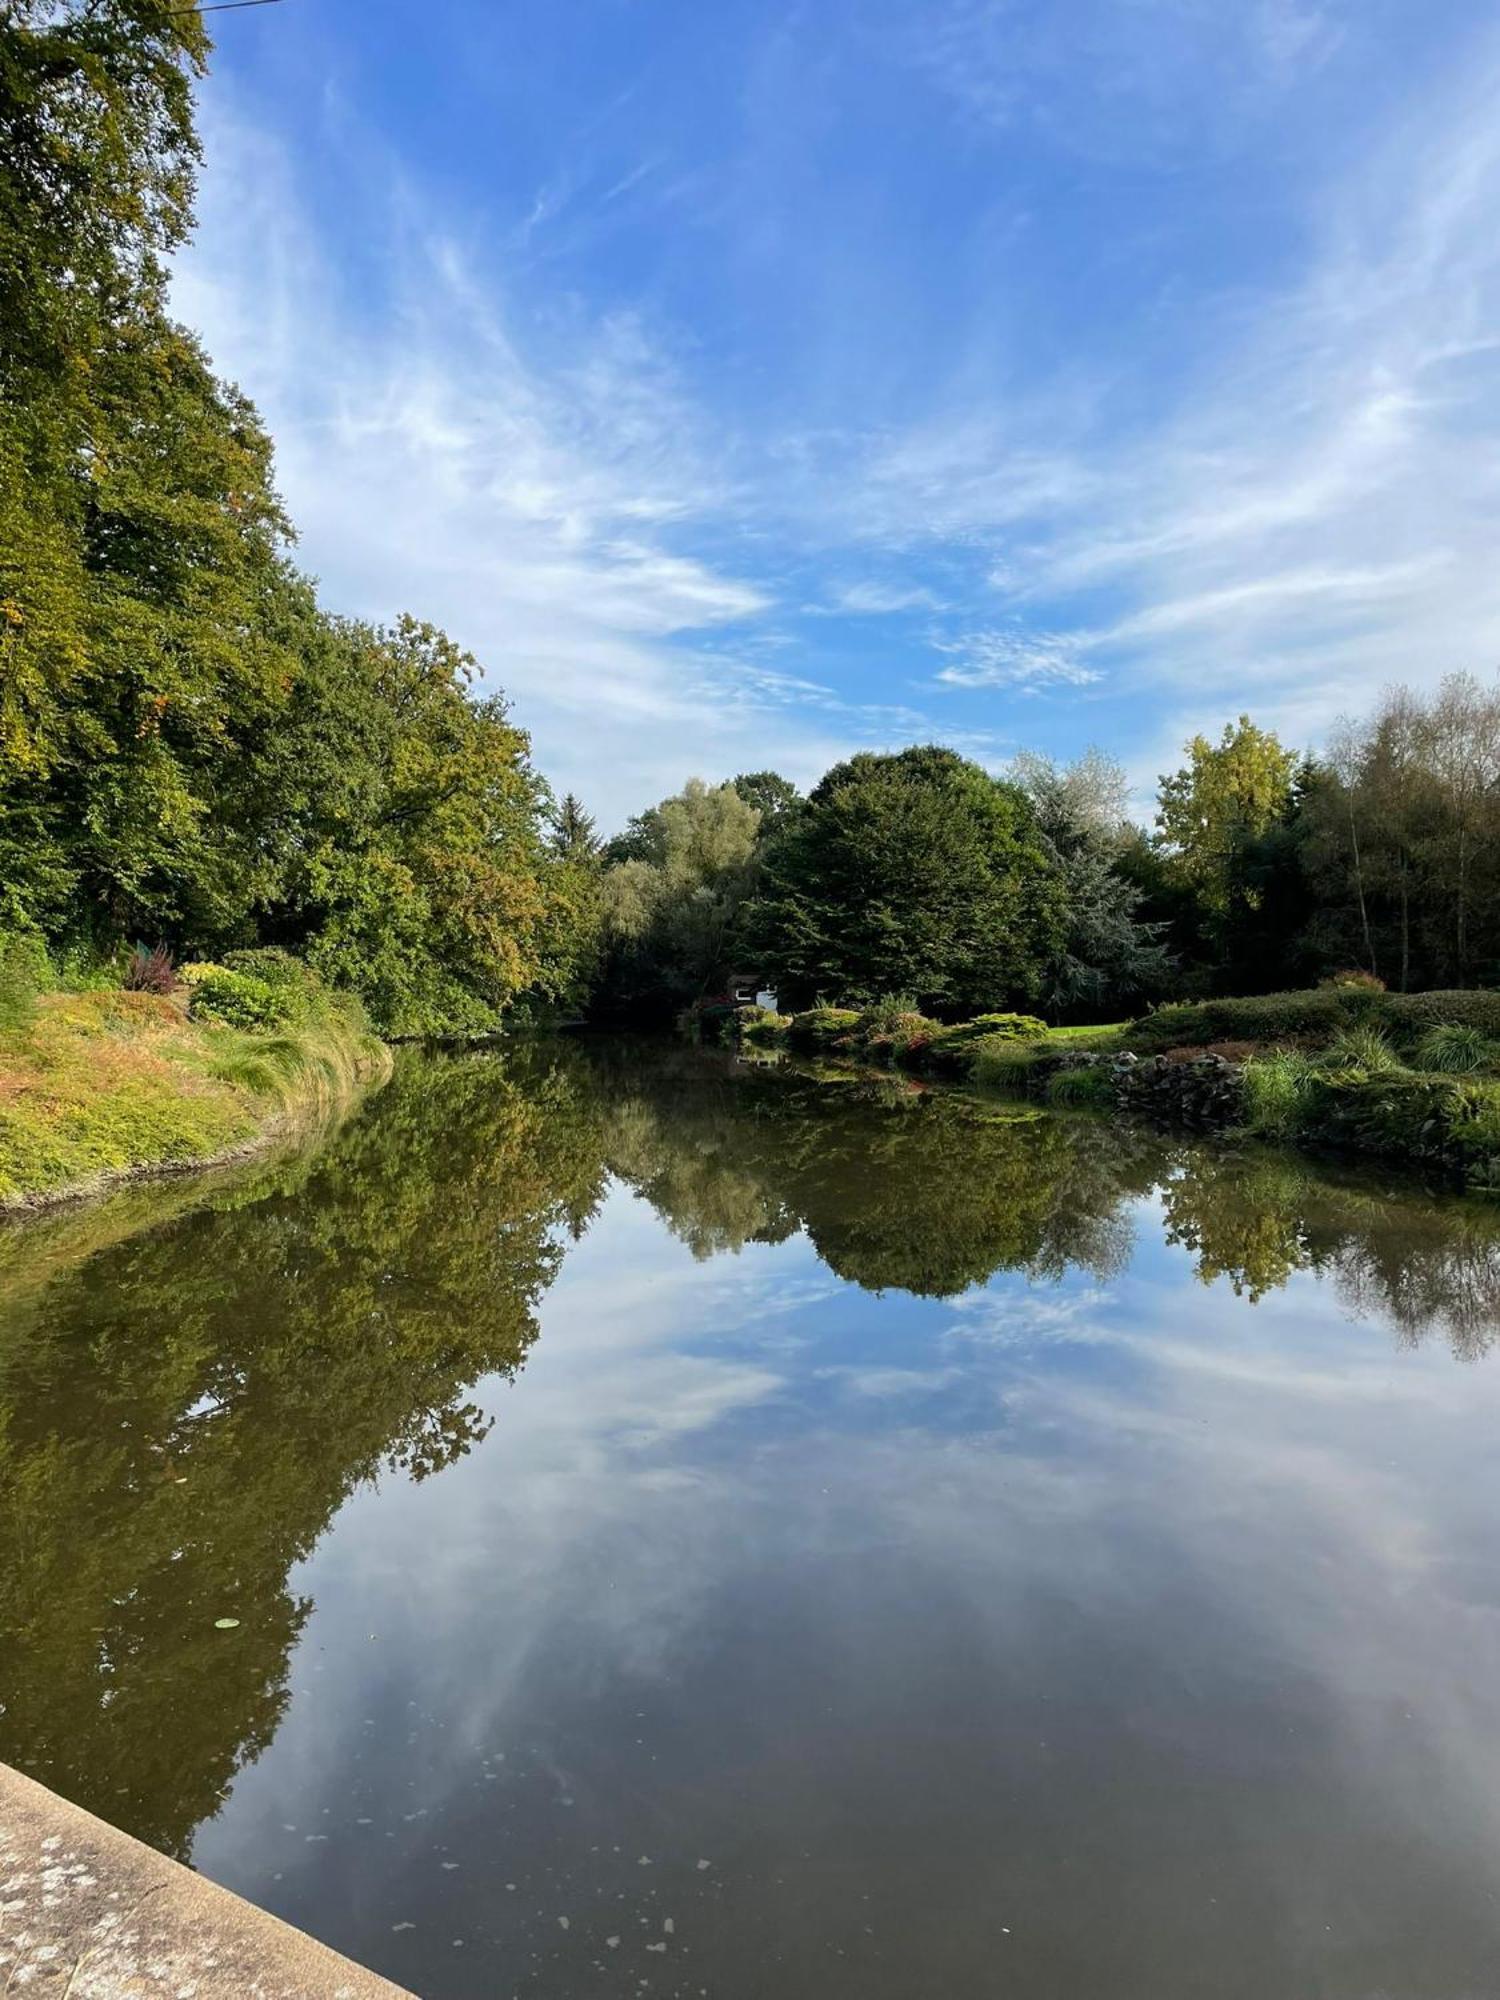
x: 928, y: 1191
x: 932, y: 1192
x: 182, y: 1412
x: 193, y: 1380
x: 1421, y: 1263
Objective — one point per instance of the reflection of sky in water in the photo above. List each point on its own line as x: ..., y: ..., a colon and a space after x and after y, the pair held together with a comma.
x: 1106, y: 1637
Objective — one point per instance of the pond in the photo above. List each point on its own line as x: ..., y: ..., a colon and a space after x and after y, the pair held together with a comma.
x: 696, y: 1529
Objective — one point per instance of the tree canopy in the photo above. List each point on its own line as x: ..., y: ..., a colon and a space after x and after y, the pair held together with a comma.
x: 916, y: 872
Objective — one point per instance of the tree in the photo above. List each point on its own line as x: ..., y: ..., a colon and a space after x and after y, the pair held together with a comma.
x: 1107, y: 959
x: 775, y: 798
x: 915, y: 873
x: 573, y: 833
x: 673, y: 897
x: 1229, y: 792
x: 405, y: 827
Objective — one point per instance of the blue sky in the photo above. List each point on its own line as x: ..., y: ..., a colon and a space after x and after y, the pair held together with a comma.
x: 748, y: 383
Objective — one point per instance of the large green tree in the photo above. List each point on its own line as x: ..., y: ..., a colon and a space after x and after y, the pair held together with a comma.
x: 1109, y: 958
x: 1228, y: 793
x: 673, y: 897
x: 917, y: 873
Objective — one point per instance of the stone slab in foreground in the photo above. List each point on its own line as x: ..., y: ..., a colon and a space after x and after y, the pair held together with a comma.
x: 88, y: 1913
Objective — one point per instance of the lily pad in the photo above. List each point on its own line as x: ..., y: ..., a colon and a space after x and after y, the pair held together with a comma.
x: 225, y: 1624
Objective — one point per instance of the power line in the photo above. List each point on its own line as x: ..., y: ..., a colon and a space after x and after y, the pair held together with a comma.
x: 223, y: 6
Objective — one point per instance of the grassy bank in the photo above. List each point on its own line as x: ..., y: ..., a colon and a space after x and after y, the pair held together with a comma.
x: 1413, y: 1077
x: 99, y: 1085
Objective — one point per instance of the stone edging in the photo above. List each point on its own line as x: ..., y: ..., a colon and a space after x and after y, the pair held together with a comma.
x: 89, y: 1913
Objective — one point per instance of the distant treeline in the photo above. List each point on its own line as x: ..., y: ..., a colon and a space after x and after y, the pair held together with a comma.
x: 922, y: 874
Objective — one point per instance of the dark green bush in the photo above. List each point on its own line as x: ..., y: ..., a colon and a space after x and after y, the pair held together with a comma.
x: 1407, y: 1015
x: 901, y: 1037
x: 1261, y: 1017
x: 820, y: 1028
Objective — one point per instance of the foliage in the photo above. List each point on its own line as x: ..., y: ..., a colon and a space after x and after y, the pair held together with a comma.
x: 239, y: 998
x: 101, y: 1082
x: 189, y: 749
x: 1228, y: 792
x: 150, y: 971
x: 1107, y: 957
x: 1456, y: 1050
x: 775, y: 798
x: 1278, y: 1088
x: 672, y: 898
x: 915, y: 871
x: 1403, y: 851
x: 1408, y: 1014
x: 24, y: 973
x: 818, y: 1029
x: 1353, y: 976
x: 1091, y: 1086
x: 1363, y: 1049
x: 765, y: 1029
x: 1261, y: 1017
x: 574, y: 836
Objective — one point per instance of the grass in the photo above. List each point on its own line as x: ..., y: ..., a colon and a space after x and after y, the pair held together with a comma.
x: 100, y: 1084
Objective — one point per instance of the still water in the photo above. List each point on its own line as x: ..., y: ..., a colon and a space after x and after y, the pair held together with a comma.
x: 693, y: 1530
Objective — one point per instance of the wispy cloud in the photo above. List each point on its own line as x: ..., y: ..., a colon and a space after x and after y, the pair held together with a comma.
x: 1027, y: 662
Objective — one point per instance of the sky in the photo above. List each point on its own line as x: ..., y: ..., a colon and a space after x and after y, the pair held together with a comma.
x: 749, y: 383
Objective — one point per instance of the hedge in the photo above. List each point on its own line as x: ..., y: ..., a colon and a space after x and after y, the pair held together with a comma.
x: 1317, y: 1014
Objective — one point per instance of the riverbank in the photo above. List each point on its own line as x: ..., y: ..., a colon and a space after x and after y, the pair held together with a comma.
x: 1407, y: 1077
x: 107, y: 1086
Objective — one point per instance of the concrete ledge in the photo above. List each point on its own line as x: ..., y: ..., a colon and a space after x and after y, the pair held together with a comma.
x: 87, y: 1913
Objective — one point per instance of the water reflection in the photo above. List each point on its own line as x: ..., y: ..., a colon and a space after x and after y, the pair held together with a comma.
x: 981, y: 1537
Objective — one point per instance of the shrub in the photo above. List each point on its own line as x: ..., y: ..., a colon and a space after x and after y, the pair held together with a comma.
x: 953, y: 1051
x: 901, y: 1037
x: 1278, y: 1090
x: 1262, y: 1017
x: 1456, y: 1050
x: 24, y: 972
x: 150, y: 971
x: 766, y: 1030
x: 1006, y: 1027
x: 1354, y: 976
x: 240, y: 999
x: 300, y: 987
x: 883, y: 1015
x: 820, y: 1028
x: 1409, y: 1014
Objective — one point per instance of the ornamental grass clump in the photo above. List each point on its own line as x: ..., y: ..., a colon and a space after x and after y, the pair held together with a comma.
x: 1456, y: 1050
x: 1091, y: 1086
x: 1362, y: 1051
x: 1278, y: 1092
